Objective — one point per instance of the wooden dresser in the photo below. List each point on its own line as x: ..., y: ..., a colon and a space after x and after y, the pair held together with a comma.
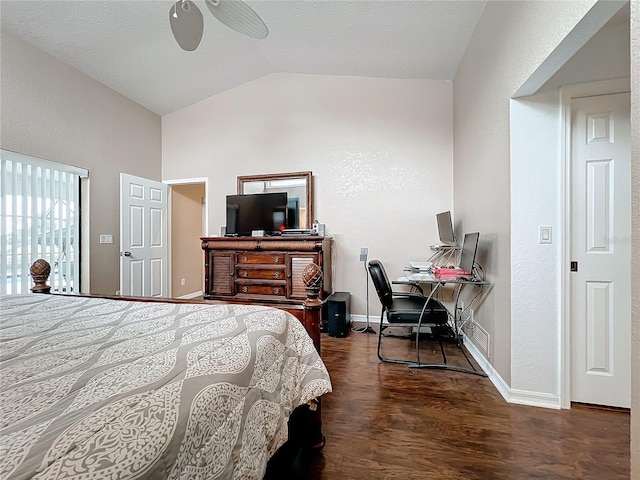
x: 265, y: 270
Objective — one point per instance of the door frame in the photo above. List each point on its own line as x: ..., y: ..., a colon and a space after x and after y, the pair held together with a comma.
x: 568, y: 93
x: 186, y: 181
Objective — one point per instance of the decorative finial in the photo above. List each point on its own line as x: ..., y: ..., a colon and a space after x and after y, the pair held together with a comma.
x: 312, y: 278
x: 40, y: 270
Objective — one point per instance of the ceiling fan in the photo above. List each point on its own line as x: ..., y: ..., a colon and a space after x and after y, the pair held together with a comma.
x: 187, y: 23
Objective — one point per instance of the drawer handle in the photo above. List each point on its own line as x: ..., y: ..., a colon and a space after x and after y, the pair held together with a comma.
x: 244, y: 259
x: 276, y: 291
x: 245, y: 274
x: 245, y: 289
x: 277, y: 275
x: 276, y: 260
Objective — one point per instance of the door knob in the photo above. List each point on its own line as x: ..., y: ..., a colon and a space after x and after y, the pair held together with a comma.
x: 127, y: 254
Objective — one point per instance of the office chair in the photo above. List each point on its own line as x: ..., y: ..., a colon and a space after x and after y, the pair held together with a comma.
x: 408, y: 309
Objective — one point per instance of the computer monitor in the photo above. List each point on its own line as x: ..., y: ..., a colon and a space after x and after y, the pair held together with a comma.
x: 468, y: 255
x: 445, y: 228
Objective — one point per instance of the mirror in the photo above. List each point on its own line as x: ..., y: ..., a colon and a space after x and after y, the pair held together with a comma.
x: 296, y: 185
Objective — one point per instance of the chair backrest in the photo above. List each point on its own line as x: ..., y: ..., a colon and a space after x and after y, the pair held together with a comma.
x: 381, y: 282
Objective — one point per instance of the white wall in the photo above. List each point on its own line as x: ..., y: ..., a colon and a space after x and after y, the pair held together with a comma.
x: 604, y: 57
x: 380, y: 151
x: 537, y: 198
x: 535, y: 281
x: 511, y: 40
x: 635, y: 241
x: 533, y: 363
x: 51, y: 111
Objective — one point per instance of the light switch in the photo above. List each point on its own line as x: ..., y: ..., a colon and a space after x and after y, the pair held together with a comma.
x: 545, y: 234
x: 106, y: 238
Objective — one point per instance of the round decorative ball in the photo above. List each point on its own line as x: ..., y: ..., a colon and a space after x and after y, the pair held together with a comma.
x: 40, y: 269
x: 312, y: 276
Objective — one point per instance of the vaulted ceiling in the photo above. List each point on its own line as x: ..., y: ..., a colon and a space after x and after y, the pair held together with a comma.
x: 129, y: 47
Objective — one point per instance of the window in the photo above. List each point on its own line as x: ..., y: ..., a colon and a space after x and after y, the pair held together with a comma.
x: 39, y: 218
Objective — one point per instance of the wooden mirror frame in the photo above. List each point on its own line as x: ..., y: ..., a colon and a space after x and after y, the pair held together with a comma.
x: 307, y: 176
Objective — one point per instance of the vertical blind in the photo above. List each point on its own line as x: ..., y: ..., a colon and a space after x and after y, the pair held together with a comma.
x: 39, y: 218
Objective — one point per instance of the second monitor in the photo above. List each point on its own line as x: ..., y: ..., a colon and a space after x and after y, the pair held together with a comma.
x: 445, y: 229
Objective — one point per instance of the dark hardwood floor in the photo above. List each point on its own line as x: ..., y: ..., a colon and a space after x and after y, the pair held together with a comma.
x: 384, y: 421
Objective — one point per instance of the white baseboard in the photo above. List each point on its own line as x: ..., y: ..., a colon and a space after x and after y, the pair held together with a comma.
x: 189, y: 296
x: 520, y: 397
x: 535, y: 399
x: 363, y: 319
x: 511, y: 395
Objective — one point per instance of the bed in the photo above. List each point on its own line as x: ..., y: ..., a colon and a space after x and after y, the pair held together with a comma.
x: 102, y: 388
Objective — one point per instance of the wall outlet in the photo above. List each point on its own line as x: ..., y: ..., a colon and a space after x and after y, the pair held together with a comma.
x: 183, y: 281
x: 364, y: 252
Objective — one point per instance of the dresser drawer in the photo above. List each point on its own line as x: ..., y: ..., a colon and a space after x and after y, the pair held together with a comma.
x: 274, y: 290
x: 274, y: 273
x: 251, y: 258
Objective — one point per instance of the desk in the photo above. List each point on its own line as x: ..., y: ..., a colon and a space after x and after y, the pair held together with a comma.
x: 436, y: 285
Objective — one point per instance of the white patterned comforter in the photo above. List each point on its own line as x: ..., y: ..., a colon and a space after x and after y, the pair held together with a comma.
x: 94, y: 388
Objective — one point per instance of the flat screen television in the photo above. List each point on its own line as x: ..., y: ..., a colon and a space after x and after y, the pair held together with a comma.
x: 256, y: 211
x: 445, y: 228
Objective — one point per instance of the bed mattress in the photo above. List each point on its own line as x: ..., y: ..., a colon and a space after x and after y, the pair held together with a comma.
x: 93, y: 388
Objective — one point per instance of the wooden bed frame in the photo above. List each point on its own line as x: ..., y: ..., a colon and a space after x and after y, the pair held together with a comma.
x: 305, y: 426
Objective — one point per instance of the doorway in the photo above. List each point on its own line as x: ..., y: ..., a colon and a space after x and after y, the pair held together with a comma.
x: 188, y: 222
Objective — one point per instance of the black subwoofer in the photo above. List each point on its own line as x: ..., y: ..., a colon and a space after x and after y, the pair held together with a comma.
x: 338, y: 314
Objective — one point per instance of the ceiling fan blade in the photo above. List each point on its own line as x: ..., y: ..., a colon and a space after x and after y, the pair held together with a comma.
x: 238, y: 16
x: 187, y: 24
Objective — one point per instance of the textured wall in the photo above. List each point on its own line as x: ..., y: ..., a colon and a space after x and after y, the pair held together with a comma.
x: 604, y: 57
x: 535, y: 200
x: 379, y: 150
x: 511, y: 40
x: 635, y: 245
x: 51, y: 111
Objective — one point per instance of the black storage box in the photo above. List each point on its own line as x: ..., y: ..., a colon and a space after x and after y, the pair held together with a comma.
x: 338, y: 314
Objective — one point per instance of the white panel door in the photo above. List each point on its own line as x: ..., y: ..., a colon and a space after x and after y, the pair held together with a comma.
x: 143, y: 237
x: 601, y: 246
